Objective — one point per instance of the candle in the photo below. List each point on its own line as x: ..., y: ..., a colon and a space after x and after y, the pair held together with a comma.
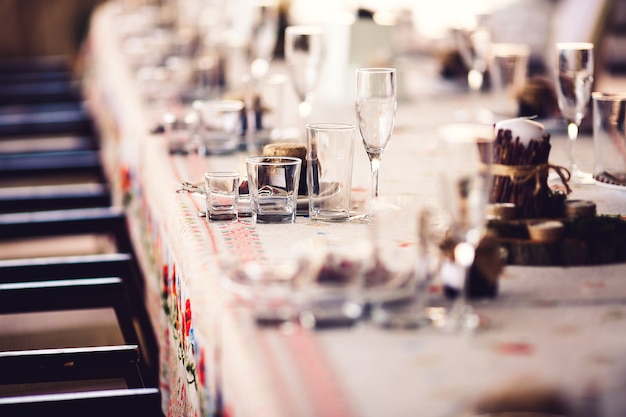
x: 525, y: 128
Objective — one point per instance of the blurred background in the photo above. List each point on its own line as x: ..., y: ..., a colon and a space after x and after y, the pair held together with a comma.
x: 56, y: 27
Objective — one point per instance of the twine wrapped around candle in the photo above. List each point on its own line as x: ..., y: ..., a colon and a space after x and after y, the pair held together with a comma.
x: 519, y: 174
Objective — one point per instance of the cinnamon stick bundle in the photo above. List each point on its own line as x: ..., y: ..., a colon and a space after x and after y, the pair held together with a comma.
x: 521, y: 173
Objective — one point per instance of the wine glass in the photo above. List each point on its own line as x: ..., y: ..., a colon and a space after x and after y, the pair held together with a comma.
x: 574, y: 79
x: 304, y: 53
x: 263, y: 32
x: 263, y: 35
x: 474, y: 47
x: 376, y: 102
x: 467, y: 152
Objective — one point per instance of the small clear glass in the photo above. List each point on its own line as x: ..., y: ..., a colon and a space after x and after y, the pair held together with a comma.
x: 222, y: 195
x: 273, y: 185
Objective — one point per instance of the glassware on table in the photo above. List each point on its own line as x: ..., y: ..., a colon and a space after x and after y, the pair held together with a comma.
x: 403, y: 234
x: 332, y: 294
x: 376, y: 102
x: 508, y: 66
x: 304, y: 54
x: 574, y: 79
x: 270, y: 288
x: 261, y: 42
x: 273, y: 186
x: 466, y: 151
x: 181, y: 131
x: 330, y: 153
x: 219, y: 127
x: 609, y: 138
x: 222, y: 195
x: 264, y: 32
x: 272, y: 90
x: 474, y: 47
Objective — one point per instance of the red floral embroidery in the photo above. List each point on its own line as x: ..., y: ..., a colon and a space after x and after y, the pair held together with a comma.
x: 165, y: 278
x: 187, y: 317
x: 126, y: 178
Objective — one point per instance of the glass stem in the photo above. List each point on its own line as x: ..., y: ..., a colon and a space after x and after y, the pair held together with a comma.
x: 460, y: 316
x: 305, y: 109
x: 456, y: 316
x: 572, y: 132
x: 375, y: 163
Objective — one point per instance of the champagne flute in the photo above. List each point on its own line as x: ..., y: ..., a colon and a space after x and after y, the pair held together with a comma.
x: 467, y: 150
x: 264, y: 32
x: 376, y: 102
x: 474, y: 47
x: 304, y: 53
x: 574, y: 79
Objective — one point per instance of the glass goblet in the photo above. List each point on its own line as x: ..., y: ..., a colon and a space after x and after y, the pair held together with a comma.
x: 376, y: 102
x: 574, y: 79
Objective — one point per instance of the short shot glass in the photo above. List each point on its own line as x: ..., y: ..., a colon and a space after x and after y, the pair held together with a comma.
x: 222, y: 195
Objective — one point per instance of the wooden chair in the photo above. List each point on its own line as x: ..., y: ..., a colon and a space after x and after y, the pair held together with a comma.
x: 39, y: 111
x: 45, y: 118
x: 78, y: 283
x: 100, y: 220
x: 105, y: 403
x: 73, y: 268
x: 54, y: 197
x: 44, y: 382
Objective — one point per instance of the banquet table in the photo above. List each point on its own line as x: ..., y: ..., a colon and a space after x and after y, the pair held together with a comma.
x: 560, y: 329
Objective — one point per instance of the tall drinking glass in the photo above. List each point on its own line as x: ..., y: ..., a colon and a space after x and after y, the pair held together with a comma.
x: 376, y: 102
x: 467, y: 152
x: 304, y: 54
x: 574, y: 79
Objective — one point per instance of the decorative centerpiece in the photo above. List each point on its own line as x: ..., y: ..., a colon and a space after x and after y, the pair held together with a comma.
x: 544, y: 228
x: 520, y: 170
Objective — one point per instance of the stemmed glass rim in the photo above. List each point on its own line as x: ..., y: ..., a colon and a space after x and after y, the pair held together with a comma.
x: 304, y: 29
x: 221, y: 174
x: 506, y: 49
x: 265, y: 2
x: 376, y: 70
x: 330, y: 126
x: 574, y: 45
x: 599, y: 95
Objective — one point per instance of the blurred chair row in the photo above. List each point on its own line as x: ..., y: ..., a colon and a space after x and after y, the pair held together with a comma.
x: 75, y: 336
